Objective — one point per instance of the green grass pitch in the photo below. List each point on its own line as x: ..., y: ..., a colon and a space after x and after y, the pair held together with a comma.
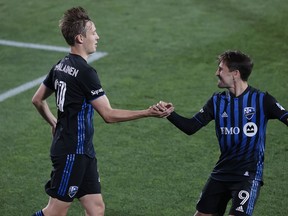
x: 157, y: 50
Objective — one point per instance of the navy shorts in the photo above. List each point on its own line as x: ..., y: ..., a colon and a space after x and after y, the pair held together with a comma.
x: 73, y: 176
x: 216, y: 195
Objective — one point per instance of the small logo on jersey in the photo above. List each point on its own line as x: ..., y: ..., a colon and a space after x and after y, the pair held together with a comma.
x: 201, y: 110
x: 72, y: 191
x: 240, y: 209
x: 250, y: 129
x: 249, y: 112
x: 229, y: 131
x: 96, y: 92
x: 224, y: 115
x: 246, y: 173
x: 280, y: 107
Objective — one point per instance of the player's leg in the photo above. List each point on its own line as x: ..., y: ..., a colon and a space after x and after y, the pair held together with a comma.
x: 222, y: 204
x: 66, y: 176
x: 59, y: 204
x: 93, y: 204
x: 244, y: 198
x: 56, y: 207
x: 89, y: 193
x: 213, y: 200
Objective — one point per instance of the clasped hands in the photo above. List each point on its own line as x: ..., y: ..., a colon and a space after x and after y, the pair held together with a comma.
x: 162, y: 109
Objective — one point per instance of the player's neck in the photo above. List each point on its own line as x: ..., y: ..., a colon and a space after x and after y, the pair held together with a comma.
x: 75, y: 50
x: 238, y: 88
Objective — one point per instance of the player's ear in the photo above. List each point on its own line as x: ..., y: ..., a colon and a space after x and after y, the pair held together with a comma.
x: 236, y: 73
x: 79, y: 39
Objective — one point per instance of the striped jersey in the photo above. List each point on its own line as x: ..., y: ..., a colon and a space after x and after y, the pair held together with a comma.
x: 240, y: 124
x: 75, y: 84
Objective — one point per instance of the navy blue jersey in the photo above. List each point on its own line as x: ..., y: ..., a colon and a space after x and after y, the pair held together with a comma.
x: 240, y: 124
x: 75, y: 84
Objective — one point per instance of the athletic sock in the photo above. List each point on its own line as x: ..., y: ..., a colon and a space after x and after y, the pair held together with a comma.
x: 38, y: 213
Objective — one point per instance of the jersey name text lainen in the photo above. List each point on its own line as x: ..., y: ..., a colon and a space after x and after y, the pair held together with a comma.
x: 67, y: 69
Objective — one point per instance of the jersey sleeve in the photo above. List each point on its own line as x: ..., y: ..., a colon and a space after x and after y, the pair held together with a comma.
x: 192, y: 125
x: 48, y: 81
x: 206, y: 114
x: 274, y: 110
x: 90, y: 84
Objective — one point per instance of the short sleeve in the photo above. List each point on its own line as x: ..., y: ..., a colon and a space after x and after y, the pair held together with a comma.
x: 48, y: 81
x: 90, y: 84
x: 274, y: 110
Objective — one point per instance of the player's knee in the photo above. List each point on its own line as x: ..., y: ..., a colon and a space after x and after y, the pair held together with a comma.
x: 100, y: 208
x: 97, y: 209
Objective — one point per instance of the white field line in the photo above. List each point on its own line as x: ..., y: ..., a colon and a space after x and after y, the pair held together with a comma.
x: 33, y: 83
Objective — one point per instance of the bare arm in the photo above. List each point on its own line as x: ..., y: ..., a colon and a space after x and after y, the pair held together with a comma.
x: 39, y: 101
x: 110, y: 115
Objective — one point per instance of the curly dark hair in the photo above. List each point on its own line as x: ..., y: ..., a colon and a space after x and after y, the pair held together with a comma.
x: 236, y: 60
x: 73, y: 23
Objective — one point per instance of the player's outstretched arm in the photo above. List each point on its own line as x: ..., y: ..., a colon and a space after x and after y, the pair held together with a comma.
x: 110, y: 115
x: 187, y: 125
